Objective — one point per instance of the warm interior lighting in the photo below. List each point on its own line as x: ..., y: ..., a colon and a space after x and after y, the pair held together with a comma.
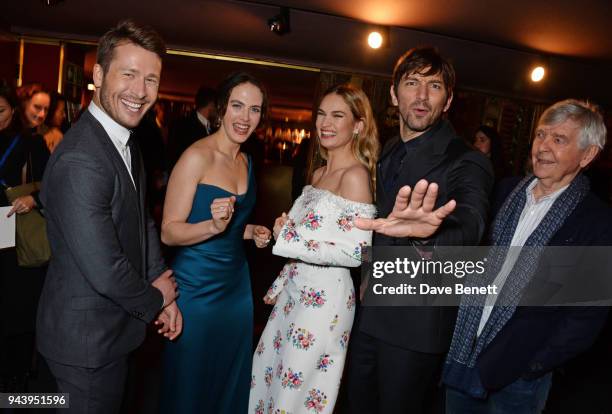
x: 537, y: 74
x: 375, y: 40
x: 280, y: 24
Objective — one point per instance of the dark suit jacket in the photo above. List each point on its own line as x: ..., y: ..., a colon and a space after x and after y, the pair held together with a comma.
x: 462, y: 174
x: 538, y: 339
x: 185, y: 132
x: 97, y: 297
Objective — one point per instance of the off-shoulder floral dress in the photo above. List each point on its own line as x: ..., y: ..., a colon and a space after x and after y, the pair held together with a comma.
x: 299, y: 359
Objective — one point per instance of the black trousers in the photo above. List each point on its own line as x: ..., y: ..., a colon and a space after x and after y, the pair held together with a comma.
x: 384, y: 379
x: 91, y: 390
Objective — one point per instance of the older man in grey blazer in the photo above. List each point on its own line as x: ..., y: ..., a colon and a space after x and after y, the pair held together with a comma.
x: 106, y: 279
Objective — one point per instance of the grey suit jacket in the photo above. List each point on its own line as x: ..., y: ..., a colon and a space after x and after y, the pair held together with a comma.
x: 97, y: 298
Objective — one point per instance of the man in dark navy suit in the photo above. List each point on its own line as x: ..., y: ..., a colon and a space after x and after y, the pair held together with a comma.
x: 196, y: 125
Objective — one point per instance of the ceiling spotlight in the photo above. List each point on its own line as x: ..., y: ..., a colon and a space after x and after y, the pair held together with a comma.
x: 375, y: 40
x: 51, y: 2
x: 279, y: 24
x: 537, y: 74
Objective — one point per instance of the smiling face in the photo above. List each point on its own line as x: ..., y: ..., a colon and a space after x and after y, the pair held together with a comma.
x: 36, y: 108
x: 556, y: 156
x: 129, y: 88
x: 421, y: 100
x: 6, y: 113
x: 335, y: 122
x: 243, y: 112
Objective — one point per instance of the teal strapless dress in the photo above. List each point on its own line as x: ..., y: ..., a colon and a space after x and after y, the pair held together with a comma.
x: 208, y: 368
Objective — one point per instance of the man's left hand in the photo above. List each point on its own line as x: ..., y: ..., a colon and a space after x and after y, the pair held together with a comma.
x: 413, y: 214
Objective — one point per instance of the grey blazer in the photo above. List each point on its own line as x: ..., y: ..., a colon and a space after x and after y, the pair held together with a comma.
x: 97, y: 298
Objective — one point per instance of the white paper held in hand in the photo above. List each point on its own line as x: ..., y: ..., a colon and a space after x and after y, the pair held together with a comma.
x: 7, y: 228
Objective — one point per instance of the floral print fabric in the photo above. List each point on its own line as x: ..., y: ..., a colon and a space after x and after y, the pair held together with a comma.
x: 299, y: 359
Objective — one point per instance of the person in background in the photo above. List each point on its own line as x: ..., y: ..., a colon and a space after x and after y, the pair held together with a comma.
x: 33, y: 107
x: 54, y: 123
x: 150, y: 137
x: 34, y: 103
x: 210, y: 196
x: 23, y: 157
x: 487, y: 140
x: 299, y: 162
x: 198, y: 124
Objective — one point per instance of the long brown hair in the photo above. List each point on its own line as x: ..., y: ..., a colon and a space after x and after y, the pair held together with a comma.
x: 365, y: 145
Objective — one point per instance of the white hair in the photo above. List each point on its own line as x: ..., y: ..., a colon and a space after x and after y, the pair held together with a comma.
x: 586, y: 114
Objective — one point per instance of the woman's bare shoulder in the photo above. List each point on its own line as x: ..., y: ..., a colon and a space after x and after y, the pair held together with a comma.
x: 316, y: 175
x: 355, y: 184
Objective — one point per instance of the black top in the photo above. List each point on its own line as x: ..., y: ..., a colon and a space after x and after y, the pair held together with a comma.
x: 30, y: 151
x: 404, y: 152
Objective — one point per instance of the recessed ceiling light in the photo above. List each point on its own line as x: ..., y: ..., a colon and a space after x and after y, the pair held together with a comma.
x: 375, y: 40
x: 537, y: 74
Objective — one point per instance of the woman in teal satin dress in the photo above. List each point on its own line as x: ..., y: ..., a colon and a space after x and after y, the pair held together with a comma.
x: 210, y: 196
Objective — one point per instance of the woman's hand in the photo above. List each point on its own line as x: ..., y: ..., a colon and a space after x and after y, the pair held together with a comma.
x: 170, y: 322
x: 22, y: 205
x: 269, y: 301
x: 262, y: 236
x: 222, y: 210
x: 278, y: 224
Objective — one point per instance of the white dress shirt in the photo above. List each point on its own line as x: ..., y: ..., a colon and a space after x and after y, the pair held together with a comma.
x: 531, y: 216
x: 118, y: 134
x: 204, y: 121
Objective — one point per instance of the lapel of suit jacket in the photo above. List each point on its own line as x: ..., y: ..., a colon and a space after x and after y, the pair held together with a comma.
x: 141, y: 208
x: 119, y: 165
x: 430, y: 154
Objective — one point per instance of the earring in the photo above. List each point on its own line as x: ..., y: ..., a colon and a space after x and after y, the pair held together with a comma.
x: 355, y: 134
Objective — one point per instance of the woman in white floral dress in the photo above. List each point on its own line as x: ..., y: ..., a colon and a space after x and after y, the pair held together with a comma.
x: 299, y: 359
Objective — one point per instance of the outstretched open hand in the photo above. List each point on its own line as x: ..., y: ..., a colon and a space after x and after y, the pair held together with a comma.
x: 413, y: 214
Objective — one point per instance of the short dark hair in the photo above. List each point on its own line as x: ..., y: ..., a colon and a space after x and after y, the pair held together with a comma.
x: 227, y: 86
x: 497, y: 148
x: 8, y: 93
x: 417, y: 60
x: 127, y: 31
x: 204, y: 96
x: 56, y: 98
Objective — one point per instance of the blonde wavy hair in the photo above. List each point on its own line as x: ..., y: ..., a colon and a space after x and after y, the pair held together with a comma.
x: 365, y: 145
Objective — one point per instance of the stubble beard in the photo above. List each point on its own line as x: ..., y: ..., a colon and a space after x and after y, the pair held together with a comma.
x: 106, y: 104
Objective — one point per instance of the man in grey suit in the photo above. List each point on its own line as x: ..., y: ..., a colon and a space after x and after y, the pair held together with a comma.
x: 106, y: 279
